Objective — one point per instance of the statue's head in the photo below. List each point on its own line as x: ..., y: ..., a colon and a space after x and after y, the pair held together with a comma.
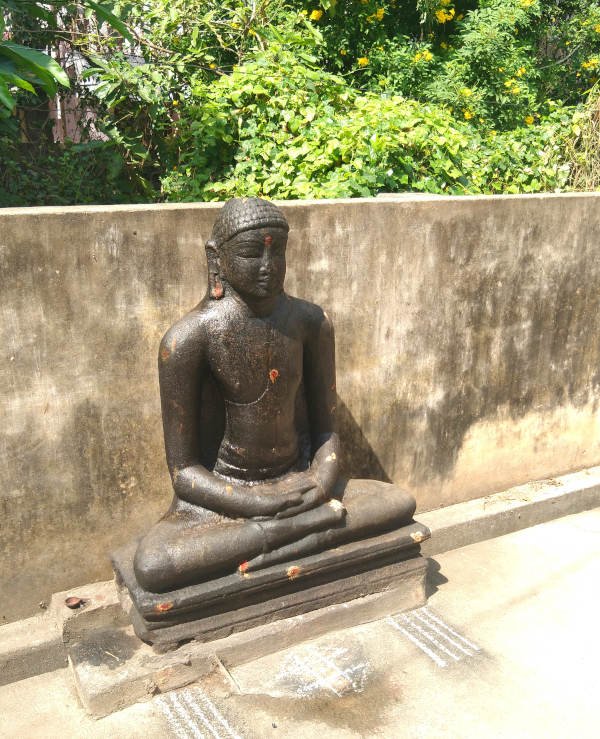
x: 247, y: 249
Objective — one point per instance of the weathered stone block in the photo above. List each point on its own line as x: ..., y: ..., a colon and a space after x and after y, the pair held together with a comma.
x: 217, y: 608
x: 113, y: 668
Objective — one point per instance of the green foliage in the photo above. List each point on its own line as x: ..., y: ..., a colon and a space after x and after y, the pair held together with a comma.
x: 27, y: 68
x: 583, y: 147
x: 205, y: 99
x: 93, y: 172
x: 311, y: 135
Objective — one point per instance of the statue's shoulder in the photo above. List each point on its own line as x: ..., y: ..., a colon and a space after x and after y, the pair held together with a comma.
x: 311, y: 314
x: 190, y: 331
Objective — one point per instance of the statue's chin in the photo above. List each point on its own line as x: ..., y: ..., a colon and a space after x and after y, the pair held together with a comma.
x: 264, y: 291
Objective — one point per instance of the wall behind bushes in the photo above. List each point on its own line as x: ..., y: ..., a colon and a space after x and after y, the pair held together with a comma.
x: 468, y: 352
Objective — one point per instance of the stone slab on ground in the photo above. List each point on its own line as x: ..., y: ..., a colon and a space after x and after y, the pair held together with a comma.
x: 100, y: 610
x: 37, y: 645
x: 526, y: 600
x: 30, y: 647
x: 495, y: 515
x: 113, y: 668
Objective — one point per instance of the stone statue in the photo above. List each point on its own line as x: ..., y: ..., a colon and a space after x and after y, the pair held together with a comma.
x: 247, y: 382
x: 273, y: 494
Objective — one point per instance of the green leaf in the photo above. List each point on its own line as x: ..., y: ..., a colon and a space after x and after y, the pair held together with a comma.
x: 104, y: 14
x: 14, y: 79
x: 6, y: 98
x: 40, y: 64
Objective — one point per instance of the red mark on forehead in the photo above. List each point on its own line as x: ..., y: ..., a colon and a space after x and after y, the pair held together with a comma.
x: 273, y: 375
x: 268, y: 240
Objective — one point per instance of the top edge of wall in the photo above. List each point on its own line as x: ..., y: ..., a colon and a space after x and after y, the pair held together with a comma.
x: 411, y: 197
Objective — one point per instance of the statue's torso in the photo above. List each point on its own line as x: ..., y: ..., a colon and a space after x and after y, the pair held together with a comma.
x: 257, y: 364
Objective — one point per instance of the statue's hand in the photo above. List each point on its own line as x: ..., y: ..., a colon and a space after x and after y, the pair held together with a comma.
x: 312, y: 496
x: 272, y: 498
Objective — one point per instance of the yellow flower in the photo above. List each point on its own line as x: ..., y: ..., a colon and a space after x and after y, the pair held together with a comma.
x: 527, y: 3
x: 515, y: 90
x: 597, y: 28
x: 493, y: 133
x: 445, y: 3
x: 501, y: 69
x: 467, y: 114
x: 302, y: 12
x: 212, y: 65
x: 529, y: 120
x: 316, y: 15
x: 460, y: 16
x: 425, y: 56
x: 343, y: 52
x: 591, y: 63
x: 377, y: 15
x: 444, y: 45
x: 444, y: 15
x: 466, y: 92
x: 175, y: 103
x: 362, y: 61
x: 520, y: 71
x: 509, y: 83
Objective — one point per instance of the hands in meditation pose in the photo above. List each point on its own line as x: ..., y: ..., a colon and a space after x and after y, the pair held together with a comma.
x: 272, y: 491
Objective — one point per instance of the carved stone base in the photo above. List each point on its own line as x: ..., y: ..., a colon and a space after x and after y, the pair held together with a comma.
x: 217, y: 608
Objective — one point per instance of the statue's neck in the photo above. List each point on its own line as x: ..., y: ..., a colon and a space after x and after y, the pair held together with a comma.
x: 259, y: 307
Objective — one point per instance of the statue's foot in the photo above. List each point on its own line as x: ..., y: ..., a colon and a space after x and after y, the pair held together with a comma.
x: 370, y: 507
x: 310, y: 544
x: 281, y: 531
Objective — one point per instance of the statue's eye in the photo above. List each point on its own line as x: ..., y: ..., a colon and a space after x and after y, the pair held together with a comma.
x: 249, y: 253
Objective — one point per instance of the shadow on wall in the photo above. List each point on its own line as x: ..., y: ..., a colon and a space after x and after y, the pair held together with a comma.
x: 358, y: 458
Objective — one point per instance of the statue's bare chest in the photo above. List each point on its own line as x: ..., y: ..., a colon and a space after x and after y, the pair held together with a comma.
x: 251, y: 355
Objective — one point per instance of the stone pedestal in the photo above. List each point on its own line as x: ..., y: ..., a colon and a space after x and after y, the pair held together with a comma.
x: 112, y: 668
x: 237, y: 602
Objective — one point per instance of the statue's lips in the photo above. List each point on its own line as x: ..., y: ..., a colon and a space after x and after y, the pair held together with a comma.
x: 268, y: 283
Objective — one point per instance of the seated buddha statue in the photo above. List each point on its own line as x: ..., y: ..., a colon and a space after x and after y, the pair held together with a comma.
x: 247, y: 383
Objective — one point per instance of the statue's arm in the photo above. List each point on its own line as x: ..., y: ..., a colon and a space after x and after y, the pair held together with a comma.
x: 182, y: 364
x: 319, y: 380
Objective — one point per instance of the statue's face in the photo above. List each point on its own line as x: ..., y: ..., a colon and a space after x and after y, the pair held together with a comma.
x: 253, y: 262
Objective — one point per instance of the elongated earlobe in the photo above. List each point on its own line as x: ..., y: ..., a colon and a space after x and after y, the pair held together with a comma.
x: 215, y: 286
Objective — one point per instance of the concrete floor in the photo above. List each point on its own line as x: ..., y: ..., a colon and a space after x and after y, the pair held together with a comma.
x: 508, y: 646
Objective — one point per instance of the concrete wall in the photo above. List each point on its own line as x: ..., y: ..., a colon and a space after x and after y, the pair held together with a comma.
x: 468, y: 335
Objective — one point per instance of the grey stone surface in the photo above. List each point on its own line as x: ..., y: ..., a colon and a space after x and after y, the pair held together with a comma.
x: 532, y: 614
x: 526, y: 505
x: 113, y: 668
x: 470, y: 367
x: 30, y: 647
x: 33, y: 646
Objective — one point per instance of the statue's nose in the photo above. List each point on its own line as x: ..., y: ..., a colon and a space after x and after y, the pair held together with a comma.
x: 266, y: 263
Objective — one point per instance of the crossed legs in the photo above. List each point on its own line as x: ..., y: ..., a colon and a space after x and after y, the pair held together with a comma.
x: 179, y: 550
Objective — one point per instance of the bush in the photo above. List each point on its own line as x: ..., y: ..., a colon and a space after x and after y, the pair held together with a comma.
x: 310, y: 135
x: 288, y: 98
x: 71, y: 174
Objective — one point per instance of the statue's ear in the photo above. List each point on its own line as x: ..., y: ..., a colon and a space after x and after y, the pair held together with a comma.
x: 215, y: 286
